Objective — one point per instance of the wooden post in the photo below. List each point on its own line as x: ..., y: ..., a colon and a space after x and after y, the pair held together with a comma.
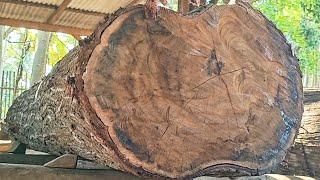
x: 27, y: 172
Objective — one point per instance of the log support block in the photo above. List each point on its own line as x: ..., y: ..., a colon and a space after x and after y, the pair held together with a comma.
x: 68, y: 161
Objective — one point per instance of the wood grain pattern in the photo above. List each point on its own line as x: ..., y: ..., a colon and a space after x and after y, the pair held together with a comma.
x: 217, y: 91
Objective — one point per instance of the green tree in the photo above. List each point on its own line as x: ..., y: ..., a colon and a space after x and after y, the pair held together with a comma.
x: 299, y: 21
x: 59, y: 46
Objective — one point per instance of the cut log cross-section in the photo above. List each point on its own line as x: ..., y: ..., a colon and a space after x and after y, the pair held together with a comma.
x: 212, y: 92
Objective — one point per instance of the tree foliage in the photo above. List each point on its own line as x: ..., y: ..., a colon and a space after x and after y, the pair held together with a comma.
x: 15, y: 53
x: 299, y: 20
x: 60, y: 45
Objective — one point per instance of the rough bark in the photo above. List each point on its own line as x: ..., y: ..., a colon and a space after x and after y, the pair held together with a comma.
x: 215, y: 92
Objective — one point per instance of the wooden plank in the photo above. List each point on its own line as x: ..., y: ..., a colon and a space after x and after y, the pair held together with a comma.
x: 35, y: 159
x: 56, y: 14
x: 67, y: 161
x: 84, y: 164
x: 5, y: 145
x: 45, y: 26
x: 32, y: 172
x: 26, y: 158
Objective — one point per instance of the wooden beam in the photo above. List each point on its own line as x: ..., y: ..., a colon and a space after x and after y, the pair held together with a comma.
x: 56, y: 14
x: 34, y: 159
x: 34, y: 172
x: 45, y: 27
x: 26, y: 158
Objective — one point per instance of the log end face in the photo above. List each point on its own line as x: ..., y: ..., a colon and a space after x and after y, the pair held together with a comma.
x: 188, y: 96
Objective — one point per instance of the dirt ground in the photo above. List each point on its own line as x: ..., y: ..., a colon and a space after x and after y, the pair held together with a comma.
x: 304, y: 157
x: 309, y: 133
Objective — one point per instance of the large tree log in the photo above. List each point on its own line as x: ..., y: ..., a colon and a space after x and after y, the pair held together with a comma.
x: 216, y: 91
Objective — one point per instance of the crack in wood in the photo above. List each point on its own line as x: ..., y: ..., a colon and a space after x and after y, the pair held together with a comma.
x: 219, y: 65
x: 168, y: 121
x: 230, y: 100
x: 217, y: 71
x: 250, y: 121
x: 212, y: 60
x: 195, y: 96
x: 222, y: 74
x: 148, y: 65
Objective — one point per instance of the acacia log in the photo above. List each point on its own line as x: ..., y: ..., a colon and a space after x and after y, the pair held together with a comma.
x: 217, y: 91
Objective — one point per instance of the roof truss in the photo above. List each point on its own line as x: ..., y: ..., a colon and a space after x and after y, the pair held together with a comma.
x: 56, y: 14
x: 49, y: 25
x: 45, y: 27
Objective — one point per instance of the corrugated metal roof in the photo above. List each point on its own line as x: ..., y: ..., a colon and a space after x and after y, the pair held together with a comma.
x: 49, y: 2
x: 78, y: 20
x: 83, y: 14
x: 16, y: 11
x: 103, y: 6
